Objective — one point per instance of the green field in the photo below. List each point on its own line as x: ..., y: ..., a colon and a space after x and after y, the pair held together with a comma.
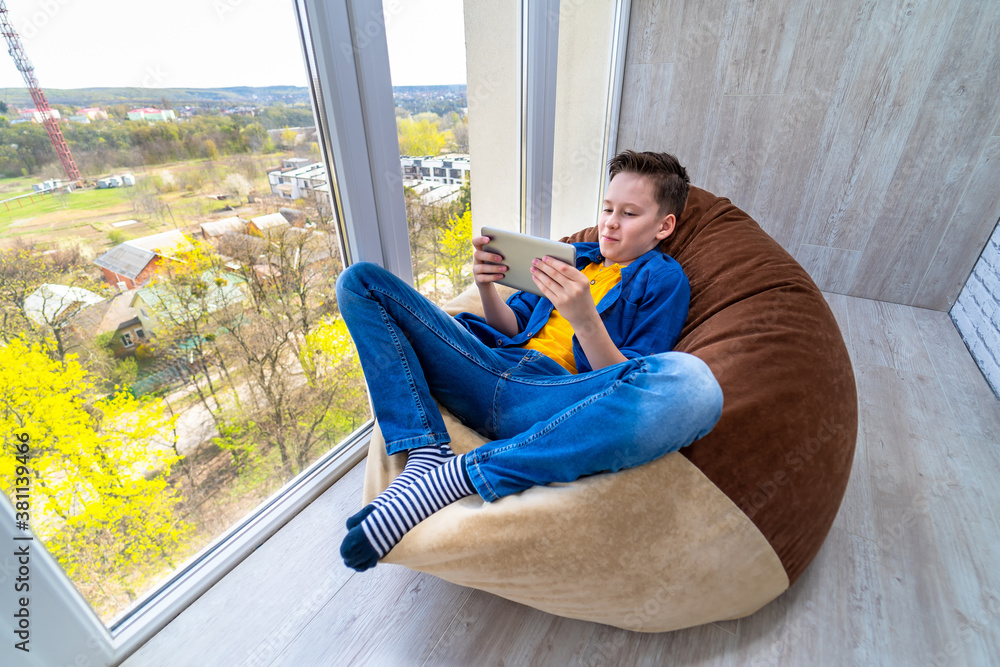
x: 81, y: 200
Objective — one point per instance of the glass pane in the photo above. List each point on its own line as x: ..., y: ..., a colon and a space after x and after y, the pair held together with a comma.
x: 427, y: 57
x: 170, y: 347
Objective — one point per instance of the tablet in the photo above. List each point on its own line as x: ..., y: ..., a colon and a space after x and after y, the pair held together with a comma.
x: 518, y: 250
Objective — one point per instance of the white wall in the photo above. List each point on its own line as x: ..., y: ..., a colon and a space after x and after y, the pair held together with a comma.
x: 977, y: 312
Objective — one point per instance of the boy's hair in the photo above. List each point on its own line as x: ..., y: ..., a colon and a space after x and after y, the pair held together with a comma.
x: 670, y: 179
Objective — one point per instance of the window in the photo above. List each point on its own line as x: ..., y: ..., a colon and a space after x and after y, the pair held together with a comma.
x: 365, y: 219
x: 207, y: 298
x: 432, y: 121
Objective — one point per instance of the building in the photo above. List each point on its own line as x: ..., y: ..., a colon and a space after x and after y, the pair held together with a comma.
x: 159, y: 308
x: 116, y: 181
x: 450, y: 169
x: 36, y: 116
x: 92, y: 113
x: 151, y: 114
x: 216, y: 228
x: 113, y: 315
x: 266, y: 224
x: 133, y: 263
x: 51, y: 303
x: 297, y: 181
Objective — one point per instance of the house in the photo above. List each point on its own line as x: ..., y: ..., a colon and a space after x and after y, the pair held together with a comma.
x: 159, y: 308
x: 266, y: 224
x: 50, y: 303
x: 114, y: 315
x: 133, y: 263
x: 151, y: 114
x: 217, y: 228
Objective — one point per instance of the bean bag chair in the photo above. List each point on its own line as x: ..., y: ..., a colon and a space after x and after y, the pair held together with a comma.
x: 714, y: 531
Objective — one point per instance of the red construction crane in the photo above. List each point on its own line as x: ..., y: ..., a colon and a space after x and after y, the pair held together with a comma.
x: 37, y: 95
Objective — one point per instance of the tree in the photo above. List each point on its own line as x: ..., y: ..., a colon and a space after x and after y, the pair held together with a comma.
x: 460, y: 135
x: 419, y: 137
x: 237, y: 185
x: 25, y: 272
x: 211, y: 150
x: 456, y: 245
x: 97, y: 470
x: 22, y: 271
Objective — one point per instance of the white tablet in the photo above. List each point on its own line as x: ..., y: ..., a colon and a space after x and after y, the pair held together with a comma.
x: 518, y: 251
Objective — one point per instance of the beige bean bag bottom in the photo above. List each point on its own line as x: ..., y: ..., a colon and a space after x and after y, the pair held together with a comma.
x: 712, y: 532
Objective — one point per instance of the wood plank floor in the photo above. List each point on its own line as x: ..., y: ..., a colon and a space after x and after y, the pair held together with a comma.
x: 908, y: 575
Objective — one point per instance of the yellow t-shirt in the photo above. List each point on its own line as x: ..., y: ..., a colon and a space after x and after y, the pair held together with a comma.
x: 555, y: 339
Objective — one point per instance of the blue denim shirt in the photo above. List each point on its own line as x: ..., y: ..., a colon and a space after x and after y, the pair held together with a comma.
x: 644, y: 313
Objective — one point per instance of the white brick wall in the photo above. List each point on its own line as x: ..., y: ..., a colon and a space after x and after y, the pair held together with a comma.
x: 977, y: 312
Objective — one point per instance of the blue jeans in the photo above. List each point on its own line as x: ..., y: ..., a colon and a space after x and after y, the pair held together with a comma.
x: 545, y: 424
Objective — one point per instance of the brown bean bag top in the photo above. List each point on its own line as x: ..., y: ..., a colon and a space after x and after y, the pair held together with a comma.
x: 783, y: 449
x: 712, y: 532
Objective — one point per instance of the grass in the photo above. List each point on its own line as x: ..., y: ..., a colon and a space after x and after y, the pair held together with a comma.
x: 81, y: 200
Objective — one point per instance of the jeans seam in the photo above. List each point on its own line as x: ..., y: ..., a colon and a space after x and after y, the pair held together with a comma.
x: 482, y: 478
x: 406, y: 367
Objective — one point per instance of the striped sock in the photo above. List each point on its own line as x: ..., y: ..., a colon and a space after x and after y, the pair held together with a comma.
x: 419, y: 461
x: 385, y: 526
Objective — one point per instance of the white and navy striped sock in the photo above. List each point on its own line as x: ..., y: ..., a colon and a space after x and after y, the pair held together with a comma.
x: 385, y: 525
x: 419, y: 461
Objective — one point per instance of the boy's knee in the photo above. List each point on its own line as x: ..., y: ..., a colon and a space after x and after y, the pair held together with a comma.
x: 357, y: 277
x: 701, y: 394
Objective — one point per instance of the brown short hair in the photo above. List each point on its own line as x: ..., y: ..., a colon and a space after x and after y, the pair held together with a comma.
x: 670, y: 179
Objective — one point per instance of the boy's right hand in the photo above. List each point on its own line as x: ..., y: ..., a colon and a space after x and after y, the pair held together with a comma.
x: 484, y: 272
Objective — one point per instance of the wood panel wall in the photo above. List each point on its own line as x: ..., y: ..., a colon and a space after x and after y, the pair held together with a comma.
x: 863, y: 135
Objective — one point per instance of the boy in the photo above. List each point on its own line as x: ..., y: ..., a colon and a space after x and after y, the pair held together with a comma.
x: 577, y: 382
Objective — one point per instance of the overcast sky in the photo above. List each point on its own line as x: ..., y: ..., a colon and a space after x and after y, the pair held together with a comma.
x: 212, y: 43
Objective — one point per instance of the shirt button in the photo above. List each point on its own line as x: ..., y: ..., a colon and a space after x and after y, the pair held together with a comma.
x: 499, y: 342
x: 593, y: 282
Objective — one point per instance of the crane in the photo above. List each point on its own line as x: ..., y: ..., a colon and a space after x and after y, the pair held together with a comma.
x: 27, y: 70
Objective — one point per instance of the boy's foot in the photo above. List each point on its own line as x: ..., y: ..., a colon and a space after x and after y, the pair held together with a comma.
x: 419, y: 461
x: 385, y: 525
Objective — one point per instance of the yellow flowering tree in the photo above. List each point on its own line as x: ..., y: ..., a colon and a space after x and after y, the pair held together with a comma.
x: 99, y: 497
x: 456, y: 251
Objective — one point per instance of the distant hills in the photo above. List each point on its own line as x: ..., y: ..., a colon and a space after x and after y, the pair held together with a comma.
x: 178, y: 96
x: 234, y: 95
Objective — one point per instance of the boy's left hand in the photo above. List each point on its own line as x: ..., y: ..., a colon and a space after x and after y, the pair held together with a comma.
x: 567, y: 288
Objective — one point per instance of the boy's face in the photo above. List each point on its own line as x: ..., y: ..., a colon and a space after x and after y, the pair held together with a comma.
x: 630, y: 224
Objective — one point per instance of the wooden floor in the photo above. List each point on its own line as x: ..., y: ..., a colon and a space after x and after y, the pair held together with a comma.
x: 909, y: 575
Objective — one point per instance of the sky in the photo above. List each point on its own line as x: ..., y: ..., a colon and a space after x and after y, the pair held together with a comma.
x: 212, y: 43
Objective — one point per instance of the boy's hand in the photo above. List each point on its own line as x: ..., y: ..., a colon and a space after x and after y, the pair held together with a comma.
x: 568, y: 289
x: 483, y: 272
